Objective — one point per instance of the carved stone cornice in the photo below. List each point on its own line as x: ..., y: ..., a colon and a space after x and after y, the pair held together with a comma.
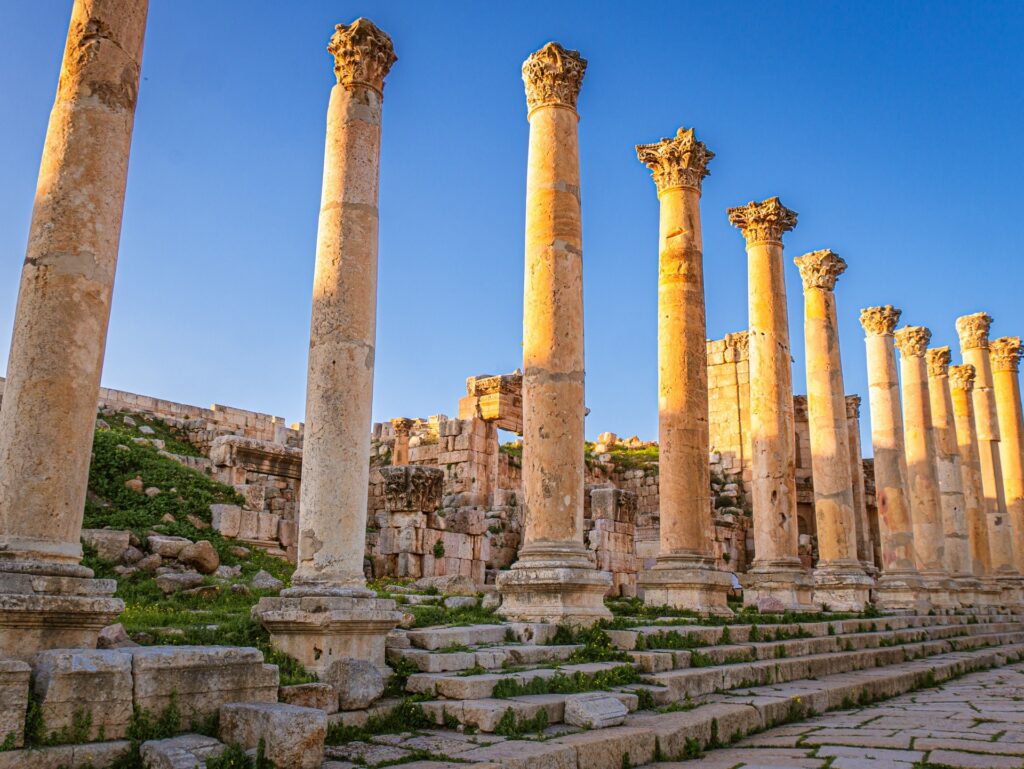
x: 740, y: 342
x: 912, y: 341
x: 553, y: 76
x: 412, y: 488
x: 973, y: 330
x: 879, y: 321
x: 962, y: 377
x: 800, y: 408
x: 820, y: 269
x: 853, y: 407
x: 938, y: 361
x: 678, y: 162
x: 401, y: 426
x: 763, y: 222
x: 363, y: 54
x: 1004, y: 353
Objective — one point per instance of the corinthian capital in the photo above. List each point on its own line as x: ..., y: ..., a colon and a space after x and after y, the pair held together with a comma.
x: 820, y: 269
x: 763, y: 222
x: 1004, y: 353
x: 938, y: 361
x: 853, y: 407
x: 912, y: 341
x: 363, y: 54
x: 553, y: 75
x: 678, y: 162
x: 878, y: 321
x: 401, y: 426
x: 973, y: 330
x: 962, y: 377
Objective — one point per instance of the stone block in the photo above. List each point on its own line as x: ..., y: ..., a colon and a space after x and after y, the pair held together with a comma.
x: 166, y: 547
x: 609, y: 748
x: 286, y: 533
x: 248, y: 524
x: 293, y: 736
x: 321, y: 696
x: 88, y: 689
x: 226, y: 519
x: 186, y: 751
x: 359, y: 683
x: 14, y: 681
x: 594, y: 710
x: 109, y: 543
x: 524, y: 754
x: 254, y: 494
x: 266, y: 526
x: 201, y: 678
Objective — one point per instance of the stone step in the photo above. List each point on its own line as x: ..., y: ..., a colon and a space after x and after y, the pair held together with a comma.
x: 481, y: 686
x: 436, y: 638
x: 490, y: 657
x: 485, y: 714
x: 647, y: 736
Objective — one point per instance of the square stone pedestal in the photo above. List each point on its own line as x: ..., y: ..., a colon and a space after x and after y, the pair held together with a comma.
x: 561, y: 595
x: 942, y: 592
x: 775, y: 590
x: 318, y: 629
x: 901, y: 593
x: 989, y: 594
x: 52, y: 606
x: 1011, y: 588
x: 704, y: 590
x: 842, y: 590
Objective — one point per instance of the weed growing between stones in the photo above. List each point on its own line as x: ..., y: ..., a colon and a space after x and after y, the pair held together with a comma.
x: 560, y: 683
x: 429, y: 616
x: 407, y: 716
x: 512, y: 726
x: 597, y: 644
x: 234, y: 757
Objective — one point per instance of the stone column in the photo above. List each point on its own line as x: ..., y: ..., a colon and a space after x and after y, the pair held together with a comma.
x: 865, y: 541
x: 554, y: 579
x: 973, y: 333
x: 899, y: 586
x: 684, y: 574
x: 329, y: 613
x: 48, y: 600
x: 961, y: 385
x: 922, y: 483
x: 400, y: 427
x: 776, y: 580
x: 840, y: 582
x: 1004, y: 354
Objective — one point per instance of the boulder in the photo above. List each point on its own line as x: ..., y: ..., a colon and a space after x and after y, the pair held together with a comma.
x: 186, y: 751
x: 196, y: 521
x: 114, y: 637
x: 129, y: 421
x: 131, y: 554
x: 167, y: 547
x: 109, y: 543
x: 152, y: 491
x: 292, y: 736
x: 135, y: 484
x: 265, y: 581
x: 149, y: 563
x: 175, y: 581
x: 359, y: 683
x: 146, y: 430
x: 594, y: 710
x: 238, y: 551
x: 201, y: 556
x: 227, y: 572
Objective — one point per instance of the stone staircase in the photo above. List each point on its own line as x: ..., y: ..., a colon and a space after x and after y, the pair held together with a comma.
x: 475, y: 677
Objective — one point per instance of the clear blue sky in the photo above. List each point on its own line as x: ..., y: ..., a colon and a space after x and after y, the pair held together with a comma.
x: 894, y: 129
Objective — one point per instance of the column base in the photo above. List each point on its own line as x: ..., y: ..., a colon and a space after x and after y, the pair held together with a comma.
x: 684, y: 584
x: 966, y: 590
x: 52, y: 606
x: 842, y: 588
x: 942, y: 592
x: 1011, y: 588
x: 901, y: 593
x: 775, y: 588
x: 318, y: 627
x: 543, y: 590
x: 989, y: 593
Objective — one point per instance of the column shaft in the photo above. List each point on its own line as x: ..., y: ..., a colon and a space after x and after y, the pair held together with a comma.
x: 865, y: 541
x: 961, y: 383
x: 1004, y: 355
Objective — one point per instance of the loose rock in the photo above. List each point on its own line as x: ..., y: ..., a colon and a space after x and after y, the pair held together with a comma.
x: 201, y: 556
x: 359, y: 682
x: 114, y: 637
x: 173, y: 583
x: 265, y: 581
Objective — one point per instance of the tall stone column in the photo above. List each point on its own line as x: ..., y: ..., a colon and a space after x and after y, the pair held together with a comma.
x: 329, y: 613
x: 961, y: 386
x: 47, y: 599
x: 865, y: 539
x: 922, y: 483
x: 949, y: 473
x: 840, y: 582
x: 1004, y: 354
x: 973, y: 333
x: 553, y: 579
x: 776, y: 580
x: 684, y: 574
x: 899, y: 586
x: 400, y: 452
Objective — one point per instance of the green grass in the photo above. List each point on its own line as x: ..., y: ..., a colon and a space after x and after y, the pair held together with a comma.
x: 562, y: 683
x: 404, y: 717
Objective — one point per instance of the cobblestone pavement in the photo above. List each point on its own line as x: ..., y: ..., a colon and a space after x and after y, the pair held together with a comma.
x: 974, y: 722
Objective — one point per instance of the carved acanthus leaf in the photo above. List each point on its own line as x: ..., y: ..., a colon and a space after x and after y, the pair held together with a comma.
x: 553, y: 75
x: 401, y: 426
x: 973, y: 330
x: 678, y: 162
x: 1004, y: 353
x: 820, y: 269
x: 938, y: 361
x: 962, y: 377
x: 912, y: 341
x: 363, y: 54
x: 878, y: 321
x: 739, y: 341
x: 763, y: 222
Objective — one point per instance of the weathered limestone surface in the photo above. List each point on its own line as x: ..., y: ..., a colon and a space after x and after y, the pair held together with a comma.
x: 684, y: 573
x: 14, y: 683
x: 60, y: 328
x: 899, y: 586
x: 293, y: 736
x: 186, y: 751
x: 865, y: 538
x: 71, y: 685
x: 329, y: 613
x: 1004, y: 354
x: 839, y: 579
x: 949, y: 473
x: 925, y: 510
x: 776, y: 580
x: 974, y: 347
x: 553, y: 578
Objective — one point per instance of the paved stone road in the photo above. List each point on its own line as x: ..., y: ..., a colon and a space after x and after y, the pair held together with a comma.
x: 975, y: 722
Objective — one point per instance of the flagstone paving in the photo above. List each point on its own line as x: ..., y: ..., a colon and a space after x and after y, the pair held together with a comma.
x: 974, y: 722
